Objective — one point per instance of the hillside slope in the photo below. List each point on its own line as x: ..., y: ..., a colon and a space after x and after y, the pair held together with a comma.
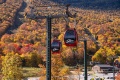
x: 93, y: 4
x: 2, y: 1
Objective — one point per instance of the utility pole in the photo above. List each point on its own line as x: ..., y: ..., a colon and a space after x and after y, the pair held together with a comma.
x: 85, y: 59
x: 113, y: 58
x: 113, y: 69
x: 48, y: 54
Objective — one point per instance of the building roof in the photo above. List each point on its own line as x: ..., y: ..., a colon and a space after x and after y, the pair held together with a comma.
x: 105, y: 66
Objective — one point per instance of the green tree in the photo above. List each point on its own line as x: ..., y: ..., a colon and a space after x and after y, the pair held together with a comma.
x: 11, y: 67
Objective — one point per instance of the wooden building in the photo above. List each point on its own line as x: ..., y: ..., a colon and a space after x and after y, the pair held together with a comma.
x: 104, y: 68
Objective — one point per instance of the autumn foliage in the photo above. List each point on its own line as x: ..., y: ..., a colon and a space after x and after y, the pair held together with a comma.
x: 118, y: 77
x: 8, y: 14
x: 11, y: 66
x: 29, y: 40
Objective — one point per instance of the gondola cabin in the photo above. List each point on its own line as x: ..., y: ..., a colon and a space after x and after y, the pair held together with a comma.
x: 71, y: 37
x: 56, y: 47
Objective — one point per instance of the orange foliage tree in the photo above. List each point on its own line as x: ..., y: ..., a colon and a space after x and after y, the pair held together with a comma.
x: 117, y: 77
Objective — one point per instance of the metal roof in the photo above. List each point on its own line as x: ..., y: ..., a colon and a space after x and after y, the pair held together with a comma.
x: 105, y: 66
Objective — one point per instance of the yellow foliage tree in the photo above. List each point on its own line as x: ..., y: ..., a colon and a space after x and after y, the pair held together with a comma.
x: 11, y: 67
x: 103, y: 54
x: 58, y: 68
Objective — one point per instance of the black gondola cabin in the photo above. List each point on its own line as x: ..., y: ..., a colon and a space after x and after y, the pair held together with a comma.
x: 56, y: 47
x: 71, y: 37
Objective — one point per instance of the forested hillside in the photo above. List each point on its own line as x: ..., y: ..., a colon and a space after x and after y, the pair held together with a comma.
x: 2, y: 1
x: 93, y: 4
x: 7, y: 14
x: 102, y: 24
x: 100, y: 27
